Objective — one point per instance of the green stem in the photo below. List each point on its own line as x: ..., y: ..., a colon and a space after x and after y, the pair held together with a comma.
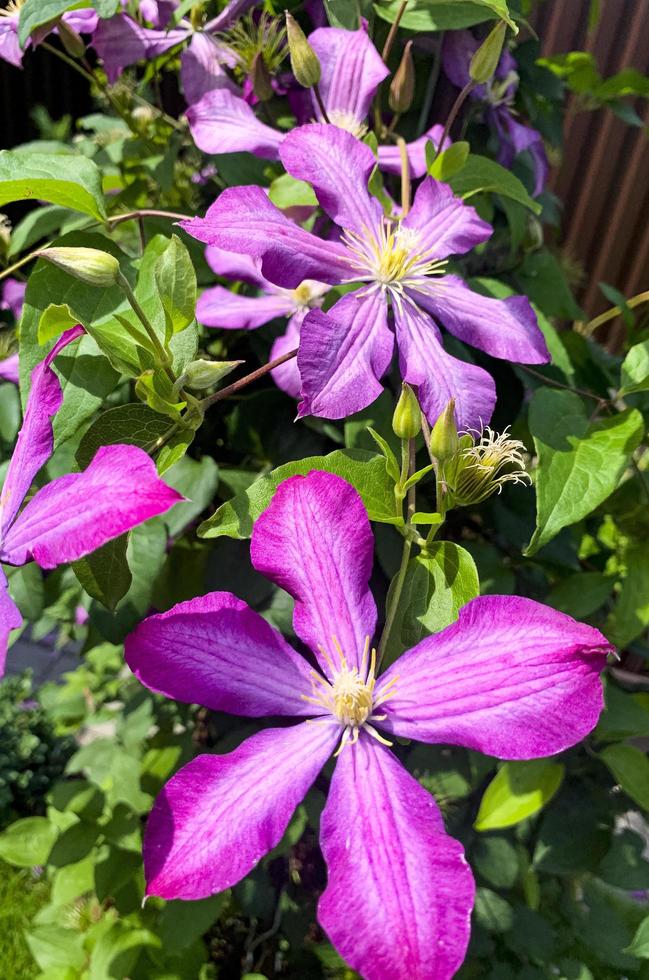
x: 405, y: 176
x: 615, y: 311
x: 455, y: 108
x: 389, y: 41
x: 147, y: 213
x: 23, y: 261
x: 162, y: 354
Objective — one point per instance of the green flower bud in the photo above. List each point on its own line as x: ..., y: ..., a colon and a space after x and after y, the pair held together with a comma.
x: 444, y: 441
x: 304, y: 60
x: 485, y: 61
x: 402, y: 86
x: 71, y: 41
x: 90, y: 265
x: 406, y: 421
x: 260, y: 78
x: 204, y: 374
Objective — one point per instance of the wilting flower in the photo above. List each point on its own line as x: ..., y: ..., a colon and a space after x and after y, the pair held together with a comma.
x: 82, y: 21
x: 75, y: 514
x: 512, y: 678
x: 483, y: 464
x: 352, y: 70
x: 498, y: 96
x: 345, y: 352
x: 220, y: 307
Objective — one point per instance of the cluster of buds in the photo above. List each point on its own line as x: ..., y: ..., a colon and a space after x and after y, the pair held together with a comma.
x: 473, y: 466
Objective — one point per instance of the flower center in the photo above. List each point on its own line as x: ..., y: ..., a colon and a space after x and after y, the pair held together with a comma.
x: 309, y: 293
x: 347, y: 120
x: 390, y: 257
x: 349, y: 697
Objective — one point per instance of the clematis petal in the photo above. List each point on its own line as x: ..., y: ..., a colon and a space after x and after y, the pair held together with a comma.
x: 458, y: 47
x: 219, y: 307
x: 222, y: 122
x: 399, y: 892
x: 158, y: 12
x: 35, y: 441
x: 13, y: 295
x: 75, y: 514
x: 216, y: 651
x: 338, y: 166
x: 524, y: 138
x: 231, y: 265
x: 314, y: 540
x: 511, y: 678
x: 10, y: 619
x: 287, y: 375
x: 84, y: 21
x: 352, y: 70
x: 440, y: 376
x: 342, y: 355
x: 9, y: 369
x: 217, y: 817
x: 443, y: 223
x: 505, y: 328
x: 390, y: 157
x: 10, y: 50
x: 242, y: 219
x: 120, y: 41
x: 231, y: 12
x: 201, y: 68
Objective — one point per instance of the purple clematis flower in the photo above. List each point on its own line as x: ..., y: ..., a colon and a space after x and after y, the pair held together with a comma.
x: 352, y: 70
x: 13, y: 294
x: 345, y: 352
x: 498, y: 95
x: 219, y: 307
x: 75, y: 514
x: 512, y: 678
x: 82, y: 21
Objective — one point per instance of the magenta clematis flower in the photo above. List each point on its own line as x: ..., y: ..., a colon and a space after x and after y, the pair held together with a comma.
x: 219, y: 307
x: 498, y: 95
x: 512, y: 678
x: 82, y: 21
x: 345, y: 352
x: 75, y: 514
x: 352, y: 70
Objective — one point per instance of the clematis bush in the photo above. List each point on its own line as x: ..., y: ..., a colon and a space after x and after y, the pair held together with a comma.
x: 324, y: 506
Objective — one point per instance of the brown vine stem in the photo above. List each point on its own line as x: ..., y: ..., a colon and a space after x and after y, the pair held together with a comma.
x: 389, y: 41
x: 147, y: 213
x: 455, y: 108
x: 246, y: 380
x: 321, y: 105
x: 559, y: 384
x: 405, y: 176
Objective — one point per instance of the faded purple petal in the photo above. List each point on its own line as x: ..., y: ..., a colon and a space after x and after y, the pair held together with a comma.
x: 10, y: 619
x: 217, y: 817
x: 338, y: 166
x: 443, y: 223
x: 84, y: 21
x: 287, y: 375
x: 13, y: 296
x: 390, y: 157
x: 222, y: 122
x: 9, y: 369
x: 439, y: 376
x: 511, y: 678
x: 231, y: 12
x: 315, y: 541
x: 120, y: 41
x: 201, y: 69
x: 242, y: 219
x: 218, y: 307
x: 524, y: 138
x: 35, y: 440
x: 504, y: 328
x: 10, y: 50
x: 216, y: 651
x: 458, y: 47
x: 399, y: 892
x: 352, y: 70
x: 78, y: 513
x: 158, y: 12
x: 343, y: 354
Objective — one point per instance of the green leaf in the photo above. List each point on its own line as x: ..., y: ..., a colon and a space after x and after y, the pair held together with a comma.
x: 342, y: 13
x: 580, y: 463
x: 481, y: 174
x: 449, y: 162
x: 630, y: 616
x: 87, y: 377
x: 55, y: 946
x: 105, y: 574
x: 28, y: 842
x: 432, y: 15
x: 9, y: 412
x: 518, y: 791
x: 287, y: 192
x: 634, y: 374
x: 581, y: 594
x: 117, y: 950
x: 492, y: 912
x: 197, y: 481
x: 438, y: 583
x: 36, y: 225
x: 497, y: 860
x: 176, y: 281
x: 625, y: 714
x: 73, y: 880
x: 364, y: 470
x: 630, y: 767
x: 132, y: 425
x: 640, y: 945
x: 70, y: 180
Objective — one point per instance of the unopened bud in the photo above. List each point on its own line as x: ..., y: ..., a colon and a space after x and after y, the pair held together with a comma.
x: 90, y: 265
x: 406, y: 421
x: 205, y: 374
x: 444, y: 441
x: 260, y: 77
x: 71, y: 41
x: 485, y: 61
x: 304, y: 60
x: 402, y: 86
